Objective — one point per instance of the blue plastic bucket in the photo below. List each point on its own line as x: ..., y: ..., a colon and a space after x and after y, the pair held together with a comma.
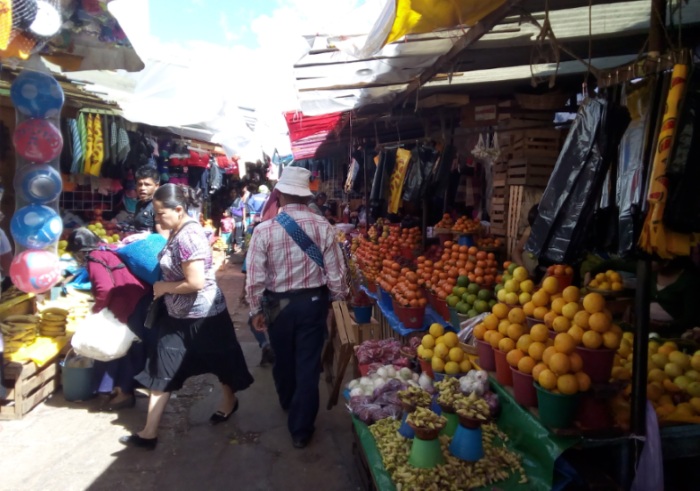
x: 363, y: 314
x: 466, y: 240
x: 76, y: 381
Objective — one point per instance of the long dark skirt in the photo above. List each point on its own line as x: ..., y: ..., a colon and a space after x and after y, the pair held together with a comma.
x: 189, y: 347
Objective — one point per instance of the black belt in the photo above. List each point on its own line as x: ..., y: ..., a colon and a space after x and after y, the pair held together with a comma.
x: 296, y: 294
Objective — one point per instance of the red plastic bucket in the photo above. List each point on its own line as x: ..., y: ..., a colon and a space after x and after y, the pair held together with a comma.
x: 410, y: 317
x: 564, y: 281
x: 597, y: 363
x: 594, y: 413
x: 371, y: 286
x: 503, y: 373
x: 485, y: 352
x: 426, y: 368
x: 524, y: 388
x: 441, y: 307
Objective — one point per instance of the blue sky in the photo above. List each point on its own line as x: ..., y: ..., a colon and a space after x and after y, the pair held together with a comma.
x: 222, y: 22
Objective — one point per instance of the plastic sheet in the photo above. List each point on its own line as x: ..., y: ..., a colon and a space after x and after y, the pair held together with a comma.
x: 682, y: 212
x: 567, y: 203
x: 650, y: 468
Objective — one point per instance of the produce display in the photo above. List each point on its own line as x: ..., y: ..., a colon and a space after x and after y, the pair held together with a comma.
x: 426, y: 419
x: 466, y: 225
x: 610, y: 281
x: 440, y: 277
x: 473, y: 407
x: 377, y: 353
x: 18, y: 330
x: 415, y: 397
x: 53, y: 322
x: 470, y: 299
x: 442, y: 350
x: 498, y: 463
x: 488, y: 242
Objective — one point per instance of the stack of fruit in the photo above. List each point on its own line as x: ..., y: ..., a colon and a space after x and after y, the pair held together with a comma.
x: 563, y: 273
x: 406, y: 292
x: 445, y: 222
x: 470, y: 299
x: 486, y: 243
x: 53, y: 322
x: 610, y: 281
x: 18, y: 331
x: 465, y: 225
x: 98, y: 228
x: 441, y: 349
x: 515, y: 288
x: 622, y: 364
x: 369, y: 258
x: 561, y: 368
x: 495, y: 326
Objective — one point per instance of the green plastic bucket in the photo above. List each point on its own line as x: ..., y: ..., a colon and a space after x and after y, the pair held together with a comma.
x: 76, y: 381
x: 556, y: 410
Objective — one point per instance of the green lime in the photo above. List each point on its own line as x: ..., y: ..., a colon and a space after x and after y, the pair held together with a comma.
x: 472, y: 313
x: 462, y: 308
x: 484, y: 295
x: 481, y: 306
x: 462, y: 281
x: 471, y: 299
x: 511, y: 268
x: 473, y: 288
x: 452, y: 300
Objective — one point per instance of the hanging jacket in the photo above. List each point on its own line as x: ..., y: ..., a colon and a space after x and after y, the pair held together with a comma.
x: 216, y: 176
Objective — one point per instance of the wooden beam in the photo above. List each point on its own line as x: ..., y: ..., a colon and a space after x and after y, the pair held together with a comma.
x: 470, y: 37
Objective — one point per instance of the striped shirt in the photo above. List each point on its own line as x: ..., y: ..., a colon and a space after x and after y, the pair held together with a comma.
x: 276, y: 263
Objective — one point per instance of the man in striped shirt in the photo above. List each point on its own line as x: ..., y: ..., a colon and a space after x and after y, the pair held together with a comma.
x: 289, y: 295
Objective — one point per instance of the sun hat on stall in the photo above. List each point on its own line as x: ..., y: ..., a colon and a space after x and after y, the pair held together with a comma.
x: 294, y: 181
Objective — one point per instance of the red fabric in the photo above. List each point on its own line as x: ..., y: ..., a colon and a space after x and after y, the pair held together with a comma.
x: 119, y: 295
x: 198, y: 159
x: 271, y: 206
x: 308, y: 133
x: 230, y: 166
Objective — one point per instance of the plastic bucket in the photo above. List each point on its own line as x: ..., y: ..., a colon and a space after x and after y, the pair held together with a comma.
x: 523, y: 388
x: 564, y: 281
x: 76, y: 381
x: 363, y: 314
x: 440, y: 307
x: 371, y: 286
x: 466, y: 240
x: 503, y: 373
x: 556, y: 410
x: 426, y: 368
x: 594, y: 413
x: 410, y: 317
x: 597, y: 363
x: 485, y: 353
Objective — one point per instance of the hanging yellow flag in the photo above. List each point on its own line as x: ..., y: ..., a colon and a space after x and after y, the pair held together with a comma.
x: 403, y: 158
x: 422, y: 16
x: 655, y: 238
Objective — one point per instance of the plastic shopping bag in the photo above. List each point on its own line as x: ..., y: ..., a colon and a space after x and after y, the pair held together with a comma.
x: 102, y: 337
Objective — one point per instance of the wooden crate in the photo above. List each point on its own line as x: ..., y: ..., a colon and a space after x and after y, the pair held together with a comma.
x: 363, y: 332
x: 28, y: 386
x: 338, y: 351
x: 530, y: 172
x: 539, y: 143
x: 19, y: 305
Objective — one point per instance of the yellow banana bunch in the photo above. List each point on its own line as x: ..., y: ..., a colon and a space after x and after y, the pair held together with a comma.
x: 18, y: 330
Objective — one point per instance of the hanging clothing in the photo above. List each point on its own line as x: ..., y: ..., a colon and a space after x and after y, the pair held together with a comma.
x: 97, y: 155
x: 77, y: 160
x: 88, y: 144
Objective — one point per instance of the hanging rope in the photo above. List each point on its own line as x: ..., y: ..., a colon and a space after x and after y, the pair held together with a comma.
x: 545, y: 50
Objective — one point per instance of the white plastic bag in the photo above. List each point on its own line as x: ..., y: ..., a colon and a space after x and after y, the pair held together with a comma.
x: 102, y: 337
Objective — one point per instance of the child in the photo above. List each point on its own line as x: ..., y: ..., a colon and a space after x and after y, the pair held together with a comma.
x: 226, y: 229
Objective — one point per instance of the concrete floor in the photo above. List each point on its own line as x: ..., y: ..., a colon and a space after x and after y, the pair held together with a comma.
x: 68, y: 446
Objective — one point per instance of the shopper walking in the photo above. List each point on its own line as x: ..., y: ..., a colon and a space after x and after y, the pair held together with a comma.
x: 195, y: 334
x: 293, y: 262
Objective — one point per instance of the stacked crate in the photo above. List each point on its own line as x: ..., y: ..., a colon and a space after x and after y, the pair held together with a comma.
x: 535, y: 152
x: 499, y: 199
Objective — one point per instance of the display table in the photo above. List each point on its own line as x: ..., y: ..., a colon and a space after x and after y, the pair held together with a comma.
x: 392, y: 321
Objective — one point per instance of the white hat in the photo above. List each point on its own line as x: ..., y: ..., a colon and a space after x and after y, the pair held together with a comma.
x: 264, y: 189
x: 294, y: 181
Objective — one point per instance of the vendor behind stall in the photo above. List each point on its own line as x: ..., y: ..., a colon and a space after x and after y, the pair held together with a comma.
x: 147, y: 181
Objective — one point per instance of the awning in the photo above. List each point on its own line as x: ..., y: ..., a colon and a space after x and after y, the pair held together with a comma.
x: 308, y: 133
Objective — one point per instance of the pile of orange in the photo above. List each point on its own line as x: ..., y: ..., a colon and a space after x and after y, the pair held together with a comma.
x: 369, y: 258
x: 515, y: 287
x: 456, y: 260
x: 488, y: 242
x: 445, y: 222
x: 560, y: 270
x: 560, y: 368
x: 407, y: 292
x: 466, y: 225
x: 608, y: 281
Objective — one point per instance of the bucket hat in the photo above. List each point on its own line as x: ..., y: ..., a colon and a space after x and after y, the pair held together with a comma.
x: 294, y: 181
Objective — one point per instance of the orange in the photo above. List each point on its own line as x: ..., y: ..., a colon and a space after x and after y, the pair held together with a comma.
x: 479, y: 331
x: 576, y: 362
x: 487, y: 335
x: 535, y: 350
x: 506, y: 345
x: 500, y: 310
x: 515, y: 331
x: 564, y: 343
x: 599, y: 322
x: 583, y: 380
x: 539, y: 313
x: 592, y: 340
x: 547, y: 354
x: 529, y: 308
x: 550, y: 285
x: 593, y: 302
x: 569, y: 310
x: 540, y: 298
x: 558, y: 305
x: 549, y: 318
x: 539, y: 332
x: 537, y: 369
x: 567, y: 384
x: 571, y: 294
x: 581, y: 319
x: 561, y: 324
x: 547, y: 379
x: 503, y: 327
x: 516, y: 316
x: 491, y: 321
x: 559, y: 363
x: 523, y: 343
x: 495, y: 338
x: 513, y: 357
x: 576, y: 332
x: 526, y: 364
x: 611, y: 340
